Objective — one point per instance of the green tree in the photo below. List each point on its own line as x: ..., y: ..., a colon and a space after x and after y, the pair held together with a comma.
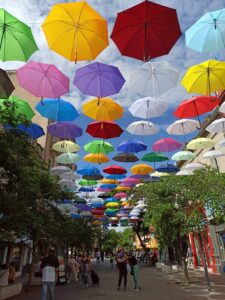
x: 111, y: 240
x: 127, y: 237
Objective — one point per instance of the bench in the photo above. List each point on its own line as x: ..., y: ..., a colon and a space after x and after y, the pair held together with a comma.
x: 11, y: 290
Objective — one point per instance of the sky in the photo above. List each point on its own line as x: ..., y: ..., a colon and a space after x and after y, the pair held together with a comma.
x: 34, y: 12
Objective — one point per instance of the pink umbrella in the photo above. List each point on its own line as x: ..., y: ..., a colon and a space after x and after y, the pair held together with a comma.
x: 120, y: 195
x: 131, y: 180
x: 166, y: 145
x: 104, y: 190
x: 127, y: 184
x: 43, y: 80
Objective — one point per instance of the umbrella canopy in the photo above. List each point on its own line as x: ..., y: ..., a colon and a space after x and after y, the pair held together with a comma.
x: 213, y: 154
x: 57, y: 109
x: 67, y: 158
x: 205, y: 78
x: 154, y: 157
x: 166, y: 145
x: 103, y: 195
x: 69, y: 176
x: 160, y: 174
x: 142, y: 128
x: 6, y: 86
x: 105, y: 180
x: 16, y: 39
x: 140, y: 176
x: 184, y: 173
x: 76, y: 31
x: 153, y: 78
x: 200, y: 143
x: 108, y: 186
x: 115, y: 176
x: 104, y: 130
x: 115, y: 170
x: 67, y: 184
x: 132, y: 146
x: 207, y: 34
x: 43, y: 80
x: 148, y: 108
x: 146, y: 30
x: 96, y: 158
x: 125, y: 157
x: 65, y: 146
x: 99, y: 146
x: 183, y: 155
x: 112, y: 204
x: 85, y: 182
x: 141, y: 169
x: 88, y: 170
x: 167, y: 168
x: 131, y: 180
x: 222, y: 108
x: 183, y: 126
x: 86, y: 189
x: 104, y: 109
x: 93, y: 177
x: 216, y: 126
x: 33, y: 130
x: 64, y: 130
x: 194, y: 166
x: 99, y: 80
x: 120, y: 195
x: 123, y: 188
x: 59, y: 170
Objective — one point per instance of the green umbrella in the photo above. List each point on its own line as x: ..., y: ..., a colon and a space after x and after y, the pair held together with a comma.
x: 183, y: 155
x: 154, y: 157
x: 16, y: 39
x: 67, y: 158
x: 99, y: 146
x: 85, y: 182
x: 21, y: 106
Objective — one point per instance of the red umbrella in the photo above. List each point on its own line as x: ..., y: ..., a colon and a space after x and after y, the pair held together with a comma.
x: 115, y: 170
x: 146, y: 30
x: 104, y: 130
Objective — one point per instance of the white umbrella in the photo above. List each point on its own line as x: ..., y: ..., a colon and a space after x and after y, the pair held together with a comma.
x: 159, y: 174
x: 68, y: 184
x: 194, y: 166
x: 222, y: 108
x: 59, y: 170
x: 183, y: 126
x: 217, y: 126
x: 70, y: 176
x: 67, y: 158
x: 153, y: 78
x: 183, y: 155
x: 184, y: 173
x: 213, y: 154
x: 148, y: 108
x: 142, y: 128
x: 221, y: 143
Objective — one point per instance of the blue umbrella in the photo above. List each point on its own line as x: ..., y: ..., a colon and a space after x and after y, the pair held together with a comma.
x: 208, y: 33
x: 57, y: 109
x: 66, y: 201
x: 132, y: 146
x: 97, y: 204
x: 86, y: 189
x: 84, y: 207
x: 108, y: 186
x: 75, y: 216
x: 115, y: 176
x: 107, y: 200
x: 33, y: 130
x: 88, y: 171
x: 167, y: 168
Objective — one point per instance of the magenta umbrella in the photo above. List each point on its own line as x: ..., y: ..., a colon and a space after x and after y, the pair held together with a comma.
x: 120, y: 195
x: 43, y: 80
x: 166, y: 145
x: 131, y: 180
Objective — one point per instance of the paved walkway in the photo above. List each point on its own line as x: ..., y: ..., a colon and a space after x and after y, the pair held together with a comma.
x: 155, y: 286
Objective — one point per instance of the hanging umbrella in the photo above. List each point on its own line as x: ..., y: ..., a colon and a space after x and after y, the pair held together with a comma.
x: 153, y: 78
x: 131, y: 180
x: 88, y: 170
x: 20, y: 105
x: 205, y: 78
x: 207, y: 34
x: 115, y: 170
x: 85, y: 182
x: 57, y: 109
x: 67, y: 158
x: 112, y: 205
x: 167, y: 168
x: 148, y: 108
x: 183, y: 155
x: 123, y: 188
x: 142, y: 128
x: 125, y: 157
x: 120, y: 195
x: 221, y: 143
x: 64, y: 130
x: 99, y: 80
x: 108, y: 186
x: 34, y: 130
x: 166, y: 145
x: 146, y: 30
x: 194, y: 166
x: 141, y: 169
x: 6, y: 86
x: 154, y: 157
x: 104, y: 195
x: 105, y: 180
x: 96, y: 158
x: 16, y: 39
x: 104, y: 109
x: 183, y: 127
x: 104, y: 130
x: 68, y: 184
x: 200, y: 143
x: 76, y: 31
x: 160, y: 174
x: 98, y: 146
x: 80, y: 201
x: 43, y: 80
x: 184, y: 173
x: 69, y: 176
x: 213, y: 154
x: 59, y: 170
x: 65, y: 146
x: 86, y: 189
x: 93, y: 177
x: 217, y: 126
x: 116, y: 176
x: 83, y: 207
x: 132, y: 146
x: 222, y: 108
x: 140, y: 176
x: 152, y: 179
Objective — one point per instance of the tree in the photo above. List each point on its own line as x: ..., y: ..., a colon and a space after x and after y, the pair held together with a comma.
x: 127, y: 237
x: 111, y: 240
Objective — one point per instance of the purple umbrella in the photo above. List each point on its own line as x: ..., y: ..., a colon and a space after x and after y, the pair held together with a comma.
x: 43, y: 80
x: 99, y: 80
x: 84, y: 207
x: 137, y: 176
x: 65, y: 130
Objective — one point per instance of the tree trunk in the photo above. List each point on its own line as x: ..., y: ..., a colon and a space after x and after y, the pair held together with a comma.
x: 204, y: 262
x: 186, y: 275
x: 182, y: 259
x: 30, y: 275
x: 139, y: 237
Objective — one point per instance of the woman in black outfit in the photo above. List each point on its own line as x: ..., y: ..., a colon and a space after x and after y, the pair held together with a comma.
x: 122, y: 268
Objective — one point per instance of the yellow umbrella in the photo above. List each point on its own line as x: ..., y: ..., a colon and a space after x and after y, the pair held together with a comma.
x: 200, y: 143
x: 96, y: 158
x: 205, y: 78
x: 103, y: 109
x: 65, y: 146
x: 141, y: 169
x: 123, y: 188
x: 96, y: 223
x: 160, y: 174
x: 112, y: 204
x: 109, y: 181
x: 76, y: 31
x: 124, y: 203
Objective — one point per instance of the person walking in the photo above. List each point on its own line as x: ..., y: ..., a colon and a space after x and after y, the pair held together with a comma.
x: 98, y: 256
x: 73, y: 269
x: 121, y: 262
x: 134, y: 270
x: 85, y: 269
x: 49, y: 267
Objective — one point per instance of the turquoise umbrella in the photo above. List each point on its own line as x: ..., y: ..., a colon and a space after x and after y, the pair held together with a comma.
x: 183, y: 155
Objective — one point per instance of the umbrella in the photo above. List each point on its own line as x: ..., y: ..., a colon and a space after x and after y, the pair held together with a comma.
x: 76, y: 31
x: 200, y: 143
x: 141, y: 169
x: 153, y: 78
x: 105, y: 180
x: 6, y: 86
x: 148, y: 108
x: 99, y: 80
x: 183, y: 155
x: 88, y: 170
x: 183, y: 127
x: 152, y: 179
x: 75, y: 216
x: 33, y: 130
x: 120, y: 195
x: 85, y: 182
x: 123, y: 188
x: 86, y: 189
x: 221, y: 143
x: 160, y: 174
x: 184, y: 173
x: 205, y: 78
x: 59, y: 170
x: 131, y: 180
x: 65, y: 146
x: 64, y: 130
x: 142, y: 128
x: 207, y: 34
x: 166, y: 145
x: 16, y: 39
x: 222, y: 108
x: 115, y: 176
x: 132, y: 146
x: 115, y: 170
x: 104, y: 109
x: 96, y: 158
x: 98, y: 146
x: 213, y: 154
x: 167, y: 168
x: 43, y: 80
x: 194, y: 166
x: 154, y: 157
x: 69, y: 176
x: 57, y: 109
x: 108, y: 186
x: 93, y: 177
x: 112, y: 204
x: 80, y: 201
x: 217, y: 126
x: 20, y: 105
x: 104, y: 130
x: 140, y: 176
x: 67, y: 158
x: 68, y: 184
x: 125, y: 157
x: 146, y: 30
x: 104, y: 195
